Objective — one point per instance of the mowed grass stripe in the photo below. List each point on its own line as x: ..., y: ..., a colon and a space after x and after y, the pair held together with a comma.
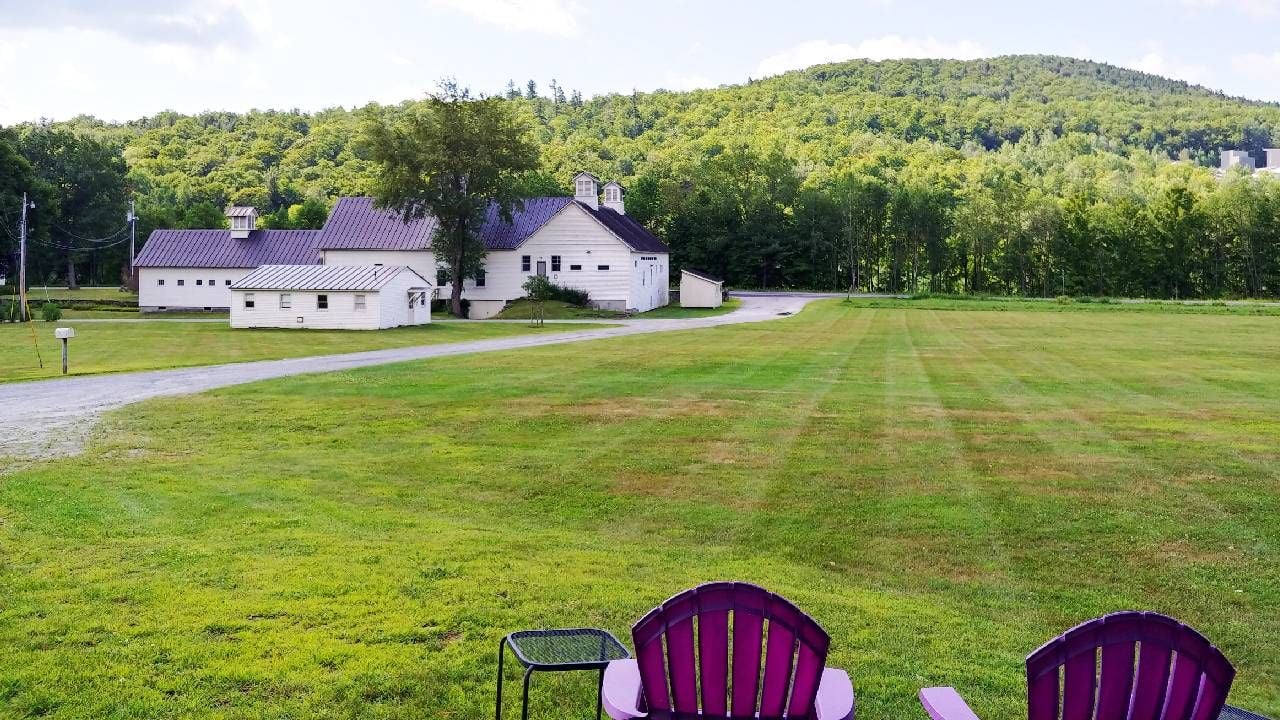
x: 354, y: 544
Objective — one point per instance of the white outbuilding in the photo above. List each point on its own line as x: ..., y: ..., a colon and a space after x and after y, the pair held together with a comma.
x: 700, y: 290
x: 331, y: 297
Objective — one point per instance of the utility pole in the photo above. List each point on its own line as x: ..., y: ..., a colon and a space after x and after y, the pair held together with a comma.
x: 22, y: 261
x: 133, y: 225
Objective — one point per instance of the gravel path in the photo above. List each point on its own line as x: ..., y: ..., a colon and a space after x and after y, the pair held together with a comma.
x: 49, y: 418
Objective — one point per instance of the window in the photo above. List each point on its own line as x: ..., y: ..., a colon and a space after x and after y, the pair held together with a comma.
x: 286, y: 301
x: 227, y: 283
x: 199, y: 281
x: 248, y: 301
x: 160, y: 281
x: 480, y: 278
x: 555, y: 263
x: 359, y: 303
x: 602, y: 267
x: 524, y: 263
x: 611, y: 193
x: 322, y: 302
x: 575, y: 267
x: 585, y: 186
x: 442, y: 277
x: 181, y: 282
x: 212, y: 282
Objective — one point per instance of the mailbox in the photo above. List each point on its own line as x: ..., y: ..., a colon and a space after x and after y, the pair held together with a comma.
x: 64, y: 333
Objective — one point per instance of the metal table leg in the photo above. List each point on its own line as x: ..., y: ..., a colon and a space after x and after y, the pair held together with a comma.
x: 600, y: 694
x: 497, y: 712
x: 524, y: 711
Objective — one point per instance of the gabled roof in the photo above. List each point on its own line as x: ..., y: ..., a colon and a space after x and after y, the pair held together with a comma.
x: 500, y: 235
x: 240, y: 211
x: 217, y: 249
x: 323, y: 277
x: 700, y: 274
x: 356, y: 224
x: 627, y: 229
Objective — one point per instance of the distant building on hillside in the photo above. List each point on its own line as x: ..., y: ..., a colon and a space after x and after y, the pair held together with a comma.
x: 1232, y: 159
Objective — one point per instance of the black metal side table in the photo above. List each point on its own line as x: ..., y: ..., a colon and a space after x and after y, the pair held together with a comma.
x: 559, y: 651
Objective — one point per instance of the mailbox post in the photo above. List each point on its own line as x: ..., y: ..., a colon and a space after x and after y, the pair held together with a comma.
x: 64, y: 334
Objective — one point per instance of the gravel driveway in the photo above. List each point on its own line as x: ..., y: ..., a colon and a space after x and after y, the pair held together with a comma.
x: 48, y: 418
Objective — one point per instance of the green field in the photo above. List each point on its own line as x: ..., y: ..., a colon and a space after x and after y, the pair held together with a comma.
x: 119, y: 346
x: 943, y: 489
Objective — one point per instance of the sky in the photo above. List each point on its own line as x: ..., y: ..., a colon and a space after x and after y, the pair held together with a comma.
x: 125, y: 59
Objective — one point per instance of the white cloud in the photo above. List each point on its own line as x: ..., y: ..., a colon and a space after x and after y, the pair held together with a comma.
x: 1156, y: 62
x: 1252, y: 8
x: 550, y: 17
x: 178, y: 22
x: 815, y: 52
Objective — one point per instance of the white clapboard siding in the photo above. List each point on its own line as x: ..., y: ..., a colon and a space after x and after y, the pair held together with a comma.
x: 650, y: 280
x: 578, y: 239
x: 201, y: 288
x: 385, y: 308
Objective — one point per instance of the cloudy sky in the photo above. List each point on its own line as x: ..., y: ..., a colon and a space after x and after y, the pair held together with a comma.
x: 128, y: 58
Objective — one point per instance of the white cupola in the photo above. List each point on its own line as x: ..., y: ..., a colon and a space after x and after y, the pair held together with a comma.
x: 244, y: 220
x: 586, y: 190
x: 613, y: 193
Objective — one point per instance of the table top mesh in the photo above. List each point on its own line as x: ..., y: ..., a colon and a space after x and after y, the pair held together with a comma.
x: 1235, y: 713
x: 580, y: 646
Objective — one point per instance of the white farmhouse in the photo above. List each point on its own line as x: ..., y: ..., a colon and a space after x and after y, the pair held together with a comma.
x: 331, y: 297
x: 194, y: 269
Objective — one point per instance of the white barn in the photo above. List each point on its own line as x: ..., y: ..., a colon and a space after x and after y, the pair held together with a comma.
x: 579, y: 242
x: 194, y: 269
x: 331, y: 297
x: 575, y: 242
x: 700, y: 290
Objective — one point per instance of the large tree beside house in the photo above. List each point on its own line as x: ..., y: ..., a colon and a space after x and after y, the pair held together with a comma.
x: 450, y: 157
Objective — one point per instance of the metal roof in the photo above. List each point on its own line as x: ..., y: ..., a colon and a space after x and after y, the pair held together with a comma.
x: 217, y: 249
x: 705, y: 276
x: 322, y: 277
x: 628, y: 230
x: 240, y: 211
x: 355, y: 224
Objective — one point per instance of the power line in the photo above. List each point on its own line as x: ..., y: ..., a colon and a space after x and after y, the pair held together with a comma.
x: 106, y: 238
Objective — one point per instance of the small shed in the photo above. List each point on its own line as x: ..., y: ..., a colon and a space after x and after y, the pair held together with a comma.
x: 333, y: 297
x: 700, y: 290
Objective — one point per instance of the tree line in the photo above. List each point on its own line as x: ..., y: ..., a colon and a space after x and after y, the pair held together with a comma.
x: 1026, y: 175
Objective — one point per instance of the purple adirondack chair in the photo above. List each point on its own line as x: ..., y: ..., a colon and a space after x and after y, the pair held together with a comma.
x: 665, y: 685
x: 1178, y: 675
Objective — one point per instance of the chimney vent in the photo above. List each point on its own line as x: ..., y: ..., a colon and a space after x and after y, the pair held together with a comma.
x: 613, y: 193
x: 244, y: 220
x: 586, y: 190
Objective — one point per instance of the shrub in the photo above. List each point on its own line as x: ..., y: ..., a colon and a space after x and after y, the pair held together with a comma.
x: 539, y: 289
x: 51, y: 312
x: 1063, y: 300
x: 8, y: 310
x: 573, y: 296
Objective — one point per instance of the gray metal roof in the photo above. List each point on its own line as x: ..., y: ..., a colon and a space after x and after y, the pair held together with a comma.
x: 240, y: 211
x: 323, y: 277
x: 217, y: 249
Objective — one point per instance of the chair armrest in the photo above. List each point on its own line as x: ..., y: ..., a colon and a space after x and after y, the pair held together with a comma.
x: 621, y: 690
x: 944, y: 703
x: 834, y: 700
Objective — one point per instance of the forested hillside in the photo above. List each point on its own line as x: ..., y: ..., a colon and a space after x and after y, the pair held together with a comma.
x: 1026, y: 175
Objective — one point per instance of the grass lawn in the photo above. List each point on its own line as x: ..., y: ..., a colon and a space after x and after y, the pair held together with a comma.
x: 114, y: 347
x: 37, y: 295
x: 675, y: 311
x: 554, y: 310
x: 942, y: 490
x: 557, y: 310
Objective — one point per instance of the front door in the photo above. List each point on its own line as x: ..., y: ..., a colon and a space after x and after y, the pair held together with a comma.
x: 542, y: 268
